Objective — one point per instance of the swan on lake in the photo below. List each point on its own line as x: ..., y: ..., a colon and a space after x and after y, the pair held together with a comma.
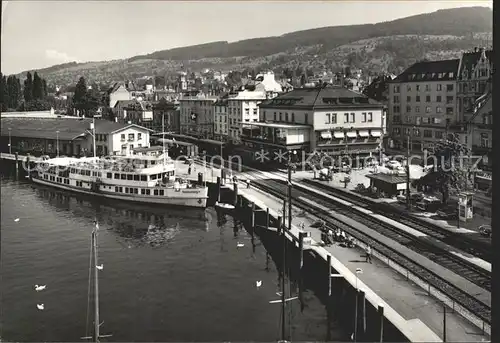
x: 258, y: 283
x: 40, y: 306
x: 16, y: 220
x: 100, y: 267
x: 240, y: 245
x: 40, y: 288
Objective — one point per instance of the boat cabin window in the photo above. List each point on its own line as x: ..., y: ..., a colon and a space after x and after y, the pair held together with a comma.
x: 148, y: 192
x: 136, y: 177
x: 123, y: 176
x: 153, y: 162
x: 155, y: 192
x: 87, y: 172
x: 143, y: 191
x: 144, y: 178
x: 117, y: 176
x: 153, y: 177
x: 109, y: 175
x: 130, y: 177
x: 126, y: 189
x: 162, y: 192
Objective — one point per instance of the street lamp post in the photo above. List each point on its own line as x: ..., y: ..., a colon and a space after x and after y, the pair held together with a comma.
x: 57, y: 142
x: 10, y: 142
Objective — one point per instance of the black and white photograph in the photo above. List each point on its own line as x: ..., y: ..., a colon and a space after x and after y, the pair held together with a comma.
x: 246, y: 171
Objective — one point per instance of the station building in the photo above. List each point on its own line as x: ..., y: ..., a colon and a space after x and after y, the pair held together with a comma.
x: 69, y: 136
x: 329, y: 119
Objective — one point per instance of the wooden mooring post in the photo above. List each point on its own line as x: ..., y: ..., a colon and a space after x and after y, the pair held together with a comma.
x: 362, y: 315
x: 380, y: 312
x: 217, y: 192
x: 235, y: 201
x: 301, y: 273
x: 329, y: 274
x: 267, y: 218
x: 252, y: 219
x: 17, y: 162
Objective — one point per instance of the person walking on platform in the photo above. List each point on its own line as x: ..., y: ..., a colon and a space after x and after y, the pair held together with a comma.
x: 368, y: 254
x: 248, y: 183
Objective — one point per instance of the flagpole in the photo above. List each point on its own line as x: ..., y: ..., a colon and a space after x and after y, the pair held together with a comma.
x: 163, y: 135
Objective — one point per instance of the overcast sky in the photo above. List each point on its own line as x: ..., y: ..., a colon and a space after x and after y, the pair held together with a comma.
x: 37, y: 34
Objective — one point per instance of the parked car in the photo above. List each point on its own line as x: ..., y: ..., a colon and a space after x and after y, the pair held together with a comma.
x: 448, y: 213
x: 485, y: 230
x: 393, y: 164
x: 429, y: 204
x: 414, y: 197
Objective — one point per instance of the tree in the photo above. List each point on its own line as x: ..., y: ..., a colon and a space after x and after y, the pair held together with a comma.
x: 79, y: 98
x: 378, y: 89
x: 303, y: 80
x: 4, y: 93
x: 45, y: 91
x: 28, y: 88
x: 37, y: 87
x: 452, y: 168
x: 37, y: 105
x: 198, y: 83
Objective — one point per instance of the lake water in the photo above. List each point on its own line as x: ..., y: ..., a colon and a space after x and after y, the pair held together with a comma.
x: 169, y: 274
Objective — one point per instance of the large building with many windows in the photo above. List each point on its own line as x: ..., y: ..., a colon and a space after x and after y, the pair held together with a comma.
x: 197, y: 115
x: 221, y: 120
x: 422, y: 104
x: 242, y: 109
x: 331, y: 120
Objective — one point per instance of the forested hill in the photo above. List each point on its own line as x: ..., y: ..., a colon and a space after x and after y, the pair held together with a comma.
x: 455, y: 22
x: 383, y: 47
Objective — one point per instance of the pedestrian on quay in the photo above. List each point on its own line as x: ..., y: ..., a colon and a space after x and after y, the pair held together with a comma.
x: 248, y: 183
x: 189, y: 170
x: 368, y: 254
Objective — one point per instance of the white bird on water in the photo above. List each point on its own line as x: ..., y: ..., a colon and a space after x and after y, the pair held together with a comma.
x: 16, y: 220
x: 258, y: 283
x: 240, y: 245
x: 40, y: 306
x: 101, y: 267
x: 40, y: 288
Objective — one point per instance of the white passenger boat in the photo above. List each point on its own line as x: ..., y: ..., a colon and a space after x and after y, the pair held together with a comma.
x: 148, y: 178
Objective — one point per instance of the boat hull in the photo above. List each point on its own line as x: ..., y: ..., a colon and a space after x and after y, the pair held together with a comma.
x: 197, y: 196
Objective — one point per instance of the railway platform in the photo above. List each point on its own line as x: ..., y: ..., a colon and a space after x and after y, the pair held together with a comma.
x: 409, y: 305
x: 359, y: 177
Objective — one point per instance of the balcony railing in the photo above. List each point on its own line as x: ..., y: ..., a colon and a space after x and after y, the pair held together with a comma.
x: 265, y: 139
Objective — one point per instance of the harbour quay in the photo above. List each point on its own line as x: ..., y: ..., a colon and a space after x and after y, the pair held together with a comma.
x: 394, y: 302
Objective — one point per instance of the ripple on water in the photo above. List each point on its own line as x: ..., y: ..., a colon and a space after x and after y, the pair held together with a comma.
x: 169, y: 274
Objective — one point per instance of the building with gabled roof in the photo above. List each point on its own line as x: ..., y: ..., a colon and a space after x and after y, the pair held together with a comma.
x: 476, y: 68
x: 71, y: 136
x: 329, y: 119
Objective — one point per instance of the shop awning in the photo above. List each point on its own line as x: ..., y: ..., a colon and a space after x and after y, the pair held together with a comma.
x: 376, y: 133
x: 326, y: 135
x: 363, y: 133
x: 351, y: 134
x: 338, y: 134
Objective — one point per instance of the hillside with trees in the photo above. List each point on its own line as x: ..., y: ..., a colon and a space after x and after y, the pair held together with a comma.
x: 387, y: 47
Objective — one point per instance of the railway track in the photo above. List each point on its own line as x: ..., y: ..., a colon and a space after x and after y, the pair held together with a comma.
x: 468, y: 301
x: 433, y: 250
x: 478, y: 246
